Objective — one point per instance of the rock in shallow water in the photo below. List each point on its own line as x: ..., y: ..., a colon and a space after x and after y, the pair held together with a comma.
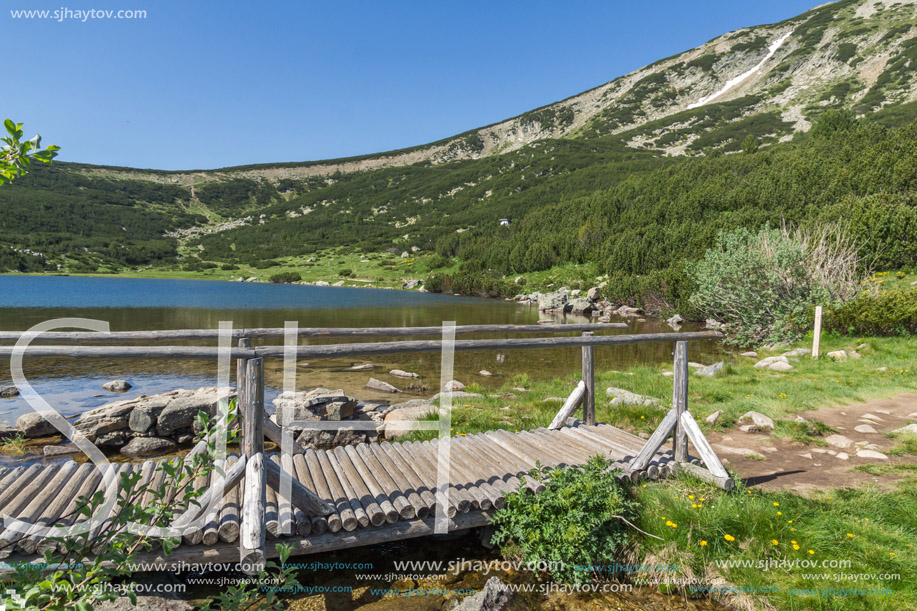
x: 117, y: 386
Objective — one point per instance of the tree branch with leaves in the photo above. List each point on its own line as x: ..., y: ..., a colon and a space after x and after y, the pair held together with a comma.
x: 16, y: 155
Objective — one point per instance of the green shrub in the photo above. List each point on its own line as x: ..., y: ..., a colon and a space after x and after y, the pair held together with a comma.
x: 762, y: 284
x: 228, y: 267
x: 577, y: 522
x: 434, y: 283
x: 285, y: 277
x: 345, y: 273
x: 892, y: 312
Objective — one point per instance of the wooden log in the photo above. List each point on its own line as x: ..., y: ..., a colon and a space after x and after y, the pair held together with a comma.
x: 228, y: 521
x: 406, y: 480
x: 429, y: 460
x: 462, y: 478
x: 56, y: 507
x: 680, y: 400
x: 64, y: 524
x: 18, y: 484
x: 618, y: 459
x: 523, y: 462
x: 274, y: 332
x: 317, y: 524
x: 584, y: 451
x: 276, y: 434
x: 351, y: 349
x: 702, y: 446
x: 251, y: 407
x: 323, y: 491
x: 99, y: 528
x: 193, y: 534
x: 589, y: 379
x: 816, y: 336
x: 302, y: 497
x: 347, y: 506
x: 548, y: 456
x: 610, y: 444
x: 457, y: 499
x: 476, y: 475
x: 507, y: 466
x: 14, y: 505
x: 287, y: 512
x: 358, y: 487
x: 365, y: 473
x: 223, y: 484
x: 271, y: 515
x: 655, y: 441
x: 493, y: 476
x: 405, y: 509
x: 211, y: 523
x: 726, y: 483
x: 424, y: 485
x: 34, y: 504
x: 567, y: 409
x: 251, y: 536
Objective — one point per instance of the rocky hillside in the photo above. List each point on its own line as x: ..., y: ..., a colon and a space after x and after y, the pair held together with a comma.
x: 752, y: 88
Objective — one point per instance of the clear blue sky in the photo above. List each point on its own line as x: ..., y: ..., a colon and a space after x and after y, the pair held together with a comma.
x: 200, y: 84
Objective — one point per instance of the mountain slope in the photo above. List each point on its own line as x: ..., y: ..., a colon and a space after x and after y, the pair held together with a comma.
x: 755, y: 87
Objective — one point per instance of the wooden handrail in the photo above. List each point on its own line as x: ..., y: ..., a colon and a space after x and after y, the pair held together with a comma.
x: 278, y: 332
x: 354, y: 349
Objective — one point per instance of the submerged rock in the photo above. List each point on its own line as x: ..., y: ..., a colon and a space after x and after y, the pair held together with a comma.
x: 117, y: 386
x: 8, y: 392
x: 380, y: 386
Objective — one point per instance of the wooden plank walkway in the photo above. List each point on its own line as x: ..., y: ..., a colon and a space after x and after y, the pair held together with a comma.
x: 379, y: 491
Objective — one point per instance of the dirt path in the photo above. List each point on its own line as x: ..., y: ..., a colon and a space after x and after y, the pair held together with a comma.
x: 788, y: 464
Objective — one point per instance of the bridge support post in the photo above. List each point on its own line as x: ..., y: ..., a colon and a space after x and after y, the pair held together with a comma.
x: 680, y: 400
x: 250, y: 388
x: 589, y: 380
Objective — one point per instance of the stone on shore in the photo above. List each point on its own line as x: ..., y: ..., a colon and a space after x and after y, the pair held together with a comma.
x: 363, y: 367
x: 871, y: 454
x: 60, y: 450
x: 380, y: 386
x: 838, y: 441
x: 712, y: 418
x: 619, y: 396
x: 798, y: 352
x: 485, y: 373
x: 552, y: 302
x: 403, y: 374
x: 397, y: 421
x: 117, y: 386
x: 454, y: 385
x: 493, y: 597
x: 581, y: 306
x: 8, y: 392
x: 33, y: 424
x: 911, y: 428
x: 144, y: 446
x: 711, y: 370
x: 750, y: 355
x: 838, y: 355
x: 755, y: 422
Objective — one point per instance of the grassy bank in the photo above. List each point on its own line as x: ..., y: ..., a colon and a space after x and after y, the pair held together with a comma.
x: 524, y: 403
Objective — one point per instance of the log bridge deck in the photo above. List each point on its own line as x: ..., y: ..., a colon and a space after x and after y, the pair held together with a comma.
x: 356, y: 495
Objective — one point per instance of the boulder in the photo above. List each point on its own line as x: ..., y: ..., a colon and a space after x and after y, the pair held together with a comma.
x: 493, y: 597
x: 767, y: 362
x: 581, y: 306
x: 117, y: 386
x: 798, y: 352
x: 619, y: 396
x: 871, y: 454
x: 143, y: 417
x: 756, y: 422
x: 8, y: 432
x: 628, y: 311
x: 60, y: 450
x: 750, y: 355
x: 8, y: 392
x: 865, y: 428
x: 115, y: 439
x: 780, y: 366
x: 552, y: 302
x: 411, y: 284
x: 854, y: 355
x: 33, y: 424
x: 458, y: 394
x: 405, y: 255
x: 380, y: 386
x: 317, y: 404
x: 485, y: 373
x: 713, y: 324
x: 911, y: 428
x: 838, y: 441
x: 363, y: 367
x: 395, y: 421
x: 837, y: 355
x: 183, y: 408
x: 712, y: 418
x: 454, y: 385
x: 675, y: 321
x: 144, y: 446
x: 594, y: 293
x: 403, y: 374
x: 711, y: 370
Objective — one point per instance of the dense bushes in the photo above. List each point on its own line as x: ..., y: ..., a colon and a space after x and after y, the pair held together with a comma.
x: 762, y: 284
x: 285, y: 278
x: 892, y: 312
x: 574, y: 525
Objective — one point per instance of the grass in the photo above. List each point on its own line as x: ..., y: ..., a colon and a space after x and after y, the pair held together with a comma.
x: 812, y: 384
x: 13, y: 446
x: 750, y: 538
x: 907, y: 444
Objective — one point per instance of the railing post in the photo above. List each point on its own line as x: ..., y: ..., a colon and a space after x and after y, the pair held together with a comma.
x: 680, y: 400
x: 589, y: 380
x: 250, y: 389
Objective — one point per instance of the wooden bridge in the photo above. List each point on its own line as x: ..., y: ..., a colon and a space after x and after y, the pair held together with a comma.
x: 354, y: 495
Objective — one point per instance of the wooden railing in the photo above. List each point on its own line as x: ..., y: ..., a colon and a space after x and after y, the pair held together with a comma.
x: 260, y: 472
